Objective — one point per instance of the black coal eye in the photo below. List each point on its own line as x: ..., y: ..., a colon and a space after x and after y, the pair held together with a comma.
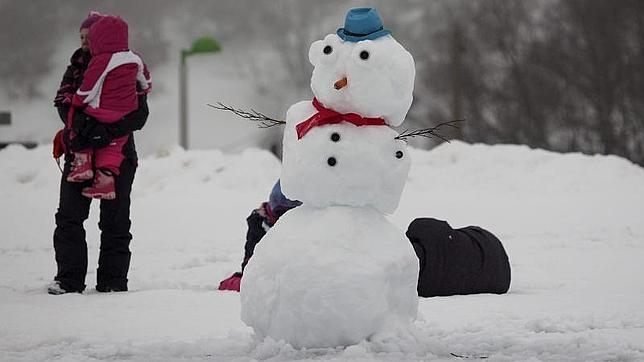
x: 399, y: 154
x: 331, y: 161
x: 364, y: 55
x: 328, y: 49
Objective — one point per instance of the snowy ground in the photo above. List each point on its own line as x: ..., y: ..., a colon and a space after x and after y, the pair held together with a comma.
x: 572, y: 225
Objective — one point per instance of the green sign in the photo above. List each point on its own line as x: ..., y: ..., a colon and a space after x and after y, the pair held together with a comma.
x: 205, y: 44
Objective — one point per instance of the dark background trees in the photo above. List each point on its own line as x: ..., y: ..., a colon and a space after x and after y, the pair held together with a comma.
x: 560, y: 75
x: 564, y: 75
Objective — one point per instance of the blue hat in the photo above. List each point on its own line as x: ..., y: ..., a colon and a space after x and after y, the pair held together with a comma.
x: 362, y: 24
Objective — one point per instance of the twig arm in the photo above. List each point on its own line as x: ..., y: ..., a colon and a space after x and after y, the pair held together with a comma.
x: 431, y: 132
x: 262, y: 120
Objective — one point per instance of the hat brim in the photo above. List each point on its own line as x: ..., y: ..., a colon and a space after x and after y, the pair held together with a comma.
x: 356, y: 38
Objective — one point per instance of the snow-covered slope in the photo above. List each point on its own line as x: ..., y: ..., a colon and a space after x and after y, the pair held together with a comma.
x: 573, y: 226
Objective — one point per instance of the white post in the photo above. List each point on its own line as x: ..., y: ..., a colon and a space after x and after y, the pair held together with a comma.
x: 183, y: 108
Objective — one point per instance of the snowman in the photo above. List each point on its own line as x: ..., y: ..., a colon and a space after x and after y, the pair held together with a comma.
x: 335, y: 271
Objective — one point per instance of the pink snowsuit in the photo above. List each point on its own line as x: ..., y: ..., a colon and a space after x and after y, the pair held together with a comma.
x: 109, y: 88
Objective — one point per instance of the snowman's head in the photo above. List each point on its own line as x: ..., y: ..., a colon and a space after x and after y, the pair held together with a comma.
x: 372, y: 76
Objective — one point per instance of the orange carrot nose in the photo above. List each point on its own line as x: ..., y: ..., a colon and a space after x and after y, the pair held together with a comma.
x: 340, y: 84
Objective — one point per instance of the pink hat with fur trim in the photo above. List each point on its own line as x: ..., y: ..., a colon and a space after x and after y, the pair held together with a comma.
x: 92, y: 17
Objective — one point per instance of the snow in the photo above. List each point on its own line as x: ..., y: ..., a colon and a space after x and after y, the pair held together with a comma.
x: 571, y: 224
x: 366, y: 171
x: 360, y: 167
x: 331, y: 276
x: 334, y: 271
x: 379, y: 86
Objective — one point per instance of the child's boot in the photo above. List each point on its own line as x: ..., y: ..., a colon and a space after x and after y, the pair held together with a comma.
x: 81, y: 168
x: 103, y: 186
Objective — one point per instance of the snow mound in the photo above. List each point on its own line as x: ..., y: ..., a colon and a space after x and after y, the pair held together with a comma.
x: 571, y: 224
x: 341, y: 164
x: 326, y: 277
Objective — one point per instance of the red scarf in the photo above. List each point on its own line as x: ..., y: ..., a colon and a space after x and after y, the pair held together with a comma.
x: 329, y: 116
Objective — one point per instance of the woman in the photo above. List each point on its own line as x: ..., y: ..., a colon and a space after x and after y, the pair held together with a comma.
x: 69, y: 236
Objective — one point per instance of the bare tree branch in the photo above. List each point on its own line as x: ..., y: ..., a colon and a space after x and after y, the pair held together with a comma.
x: 430, y: 132
x: 263, y: 121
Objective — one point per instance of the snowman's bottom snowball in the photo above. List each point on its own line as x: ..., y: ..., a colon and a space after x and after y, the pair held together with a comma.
x: 330, y: 277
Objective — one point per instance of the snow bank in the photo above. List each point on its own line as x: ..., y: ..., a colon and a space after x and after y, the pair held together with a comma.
x: 571, y: 224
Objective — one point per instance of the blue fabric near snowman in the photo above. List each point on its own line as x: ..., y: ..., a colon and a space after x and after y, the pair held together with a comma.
x: 362, y: 24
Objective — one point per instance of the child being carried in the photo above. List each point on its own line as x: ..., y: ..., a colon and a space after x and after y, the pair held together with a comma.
x: 108, y: 92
